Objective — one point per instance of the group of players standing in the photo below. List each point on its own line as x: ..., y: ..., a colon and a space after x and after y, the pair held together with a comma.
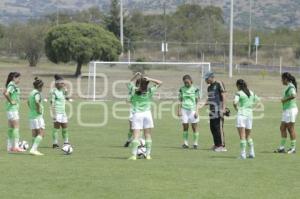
x: 244, y: 102
x: 57, y: 96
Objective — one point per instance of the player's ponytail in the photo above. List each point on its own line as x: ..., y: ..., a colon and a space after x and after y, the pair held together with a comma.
x: 242, y: 85
x: 38, y: 83
x: 290, y: 78
x: 143, y: 86
x: 11, y: 77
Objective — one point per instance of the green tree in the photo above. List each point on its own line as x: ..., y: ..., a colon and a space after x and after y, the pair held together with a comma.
x: 81, y: 42
x: 113, y: 18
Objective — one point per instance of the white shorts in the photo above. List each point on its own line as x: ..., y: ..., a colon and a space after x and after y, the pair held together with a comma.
x: 188, y: 116
x: 13, y: 115
x: 38, y: 123
x: 142, y: 120
x: 61, y: 118
x: 130, y: 116
x: 289, y: 115
x: 244, y: 122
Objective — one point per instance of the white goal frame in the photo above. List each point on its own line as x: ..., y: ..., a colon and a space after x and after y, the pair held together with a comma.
x: 92, y: 73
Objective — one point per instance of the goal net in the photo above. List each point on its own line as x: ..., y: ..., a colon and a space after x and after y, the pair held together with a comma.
x: 106, y: 80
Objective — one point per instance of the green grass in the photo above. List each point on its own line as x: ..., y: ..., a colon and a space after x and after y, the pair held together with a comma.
x: 99, y: 168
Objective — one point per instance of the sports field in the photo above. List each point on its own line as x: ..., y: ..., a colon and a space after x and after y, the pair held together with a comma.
x: 99, y: 168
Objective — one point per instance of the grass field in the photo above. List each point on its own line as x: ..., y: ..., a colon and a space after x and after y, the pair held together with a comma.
x: 98, y: 167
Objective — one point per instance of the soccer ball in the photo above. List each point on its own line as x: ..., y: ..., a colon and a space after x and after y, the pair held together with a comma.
x: 67, y: 149
x: 141, y: 152
x: 24, y: 145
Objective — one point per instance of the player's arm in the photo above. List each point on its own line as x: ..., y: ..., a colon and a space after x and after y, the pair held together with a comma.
x: 136, y: 75
x: 7, y: 93
x: 236, y: 101
x: 37, y: 103
x: 179, y: 104
x: 52, y: 102
x: 223, y: 95
x: 158, y: 83
x: 292, y: 96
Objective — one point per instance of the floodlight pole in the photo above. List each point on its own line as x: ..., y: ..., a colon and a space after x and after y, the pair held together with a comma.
x: 231, y: 41
x: 121, y: 26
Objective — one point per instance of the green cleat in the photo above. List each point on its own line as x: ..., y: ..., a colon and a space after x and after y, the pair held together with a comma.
x: 132, y: 158
x: 148, y: 157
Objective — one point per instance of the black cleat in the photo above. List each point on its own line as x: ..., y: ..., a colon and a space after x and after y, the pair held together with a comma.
x: 195, y: 146
x: 127, y: 144
x: 55, y: 146
x: 279, y: 151
x: 185, y: 146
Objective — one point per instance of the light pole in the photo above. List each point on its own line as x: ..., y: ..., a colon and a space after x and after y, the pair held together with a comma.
x: 231, y: 40
x: 121, y: 26
x: 250, y: 29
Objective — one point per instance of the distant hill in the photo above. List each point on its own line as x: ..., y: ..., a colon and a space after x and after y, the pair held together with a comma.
x: 266, y: 13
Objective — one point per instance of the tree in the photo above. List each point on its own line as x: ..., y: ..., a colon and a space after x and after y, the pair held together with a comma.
x: 113, y: 19
x: 81, y: 42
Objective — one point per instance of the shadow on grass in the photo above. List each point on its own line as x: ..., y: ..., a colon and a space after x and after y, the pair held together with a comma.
x: 114, y: 158
x: 224, y: 157
x: 269, y: 152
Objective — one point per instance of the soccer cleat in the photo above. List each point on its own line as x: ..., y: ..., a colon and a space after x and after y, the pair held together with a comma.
x: 148, y: 157
x: 280, y: 150
x: 220, y: 149
x: 243, y: 157
x: 185, y: 146
x: 132, y: 158
x: 55, y: 146
x: 127, y: 144
x: 251, y: 156
x: 36, y: 153
x: 291, y: 151
x: 195, y: 146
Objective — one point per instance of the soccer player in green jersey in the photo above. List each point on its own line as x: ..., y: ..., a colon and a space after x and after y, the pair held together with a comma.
x: 57, y: 98
x: 188, y: 110
x: 141, y: 98
x: 12, y: 95
x: 289, y: 113
x: 36, y: 111
x: 243, y: 103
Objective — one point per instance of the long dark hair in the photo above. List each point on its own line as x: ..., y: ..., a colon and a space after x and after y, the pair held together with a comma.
x: 187, y: 77
x: 143, y: 86
x: 290, y: 78
x: 58, y: 77
x: 11, y: 77
x: 242, y: 85
x: 38, y: 83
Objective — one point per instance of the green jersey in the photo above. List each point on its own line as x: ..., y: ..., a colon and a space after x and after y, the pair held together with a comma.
x: 58, y: 100
x: 141, y: 103
x: 14, y: 92
x: 34, y: 98
x: 189, y: 97
x: 245, y: 103
x: 289, y: 91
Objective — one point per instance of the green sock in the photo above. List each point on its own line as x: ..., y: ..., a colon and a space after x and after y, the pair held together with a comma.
x: 148, y: 146
x: 243, y: 145
x: 65, y: 135
x: 129, y: 135
x: 196, y: 138
x: 16, y: 136
x: 282, y: 143
x: 134, y: 146
x: 36, y: 142
x: 55, y: 135
x: 250, y: 142
x: 293, y: 144
x: 185, y: 136
x: 9, y: 138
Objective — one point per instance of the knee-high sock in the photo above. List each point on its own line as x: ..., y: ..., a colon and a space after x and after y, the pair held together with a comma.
x: 293, y: 144
x: 185, y: 136
x: 196, y: 138
x: 243, y: 145
x: 10, y: 138
x: 148, y: 146
x: 282, y: 143
x: 65, y: 135
x: 55, y: 135
x: 251, y: 146
x: 134, y: 146
x: 16, y: 137
x: 36, y: 142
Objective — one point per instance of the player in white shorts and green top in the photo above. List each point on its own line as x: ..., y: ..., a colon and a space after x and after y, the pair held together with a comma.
x: 36, y: 111
x: 188, y: 110
x: 58, y: 97
x: 12, y: 104
x: 289, y: 113
x: 244, y: 101
x: 141, y: 98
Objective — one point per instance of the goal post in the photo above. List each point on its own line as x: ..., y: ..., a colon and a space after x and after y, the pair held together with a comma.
x: 94, y: 66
